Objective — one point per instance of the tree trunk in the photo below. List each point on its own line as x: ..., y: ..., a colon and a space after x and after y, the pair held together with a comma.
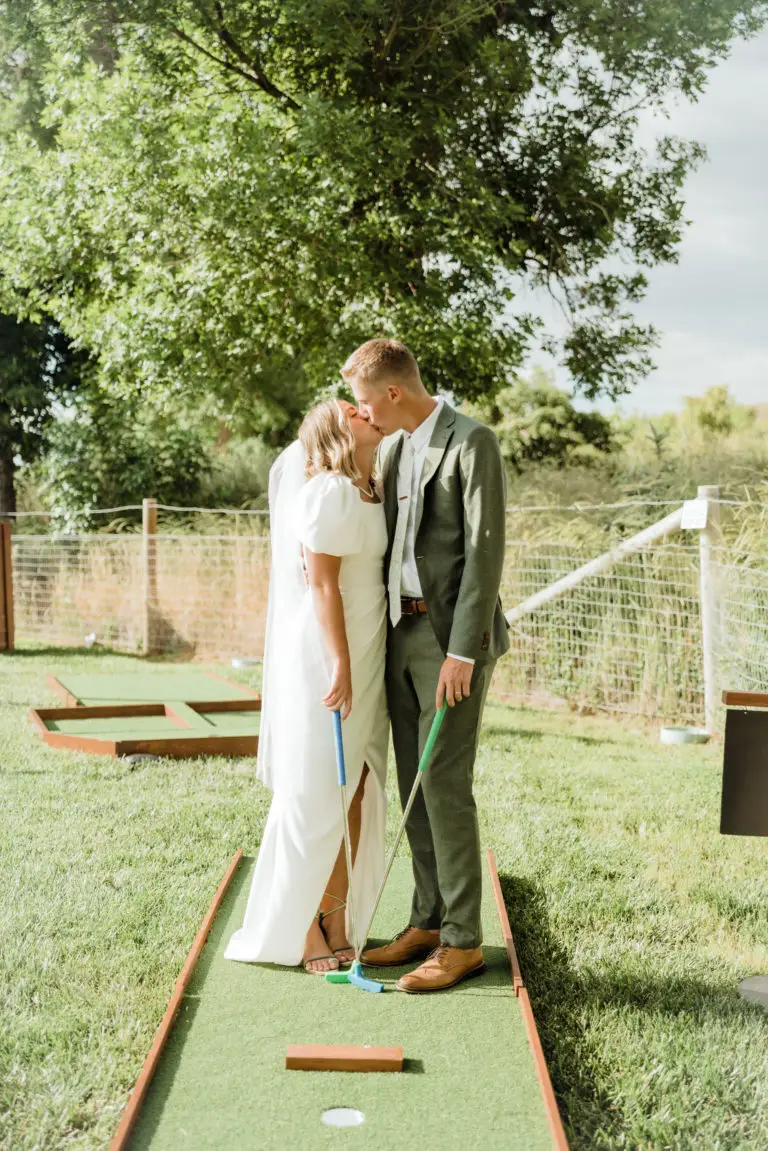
x: 7, y: 486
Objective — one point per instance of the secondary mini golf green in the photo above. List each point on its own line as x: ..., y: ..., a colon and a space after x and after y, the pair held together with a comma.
x: 469, y: 1076
x: 169, y: 714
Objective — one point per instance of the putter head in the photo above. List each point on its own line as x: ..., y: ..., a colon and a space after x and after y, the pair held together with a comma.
x: 337, y: 976
x: 357, y: 979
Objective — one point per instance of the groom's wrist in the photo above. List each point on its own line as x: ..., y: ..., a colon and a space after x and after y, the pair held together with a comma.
x: 463, y: 658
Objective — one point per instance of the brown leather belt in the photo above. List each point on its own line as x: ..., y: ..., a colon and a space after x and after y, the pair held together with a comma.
x: 410, y: 606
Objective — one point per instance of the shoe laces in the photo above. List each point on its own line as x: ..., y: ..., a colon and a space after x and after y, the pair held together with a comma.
x: 439, y: 952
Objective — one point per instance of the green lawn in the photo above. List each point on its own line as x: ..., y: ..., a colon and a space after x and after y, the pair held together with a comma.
x: 634, y: 918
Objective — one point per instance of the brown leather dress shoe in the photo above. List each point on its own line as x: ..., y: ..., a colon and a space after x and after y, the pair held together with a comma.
x: 444, y: 968
x: 412, y: 943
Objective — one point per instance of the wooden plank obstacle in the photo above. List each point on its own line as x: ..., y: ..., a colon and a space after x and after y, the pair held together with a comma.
x: 342, y: 1057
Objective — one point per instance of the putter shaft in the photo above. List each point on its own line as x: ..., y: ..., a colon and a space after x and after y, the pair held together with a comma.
x: 423, y: 763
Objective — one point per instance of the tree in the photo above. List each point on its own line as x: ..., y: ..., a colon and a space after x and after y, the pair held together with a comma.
x: 37, y: 368
x: 536, y: 422
x: 250, y: 189
x: 103, y: 453
x: 717, y: 413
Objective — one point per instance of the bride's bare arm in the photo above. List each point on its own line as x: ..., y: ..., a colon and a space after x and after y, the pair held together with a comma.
x: 323, y: 576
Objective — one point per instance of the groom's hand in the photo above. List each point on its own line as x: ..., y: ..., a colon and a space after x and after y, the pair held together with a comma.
x: 454, y: 681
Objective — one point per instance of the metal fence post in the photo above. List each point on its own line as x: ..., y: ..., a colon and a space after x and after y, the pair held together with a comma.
x: 709, y: 539
x: 149, y: 564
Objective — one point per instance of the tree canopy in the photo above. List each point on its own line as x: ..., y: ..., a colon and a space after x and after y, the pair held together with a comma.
x: 223, y: 199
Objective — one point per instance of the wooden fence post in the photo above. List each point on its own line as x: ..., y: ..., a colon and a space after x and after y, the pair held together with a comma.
x: 709, y: 539
x: 6, y: 589
x: 149, y: 564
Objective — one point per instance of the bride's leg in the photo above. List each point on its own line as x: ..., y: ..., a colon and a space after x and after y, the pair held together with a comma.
x: 317, y: 945
x: 336, y: 888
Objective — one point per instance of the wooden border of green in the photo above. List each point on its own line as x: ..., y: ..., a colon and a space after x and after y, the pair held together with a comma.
x: 58, y: 688
x: 98, y: 711
x: 136, y: 1098
x: 745, y: 698
x: 542, y: 1071
x: 6, y: 589
x: 506, y: 931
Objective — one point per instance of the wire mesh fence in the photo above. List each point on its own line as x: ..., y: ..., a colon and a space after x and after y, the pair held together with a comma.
x: 628, y: 639
x: 742, y: 583
x: 210, y: 600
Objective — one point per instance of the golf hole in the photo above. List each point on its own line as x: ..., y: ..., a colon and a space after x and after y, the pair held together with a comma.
x: 343, y: 1117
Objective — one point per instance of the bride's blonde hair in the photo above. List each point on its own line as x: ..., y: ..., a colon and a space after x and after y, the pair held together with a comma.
x: 328, y: 441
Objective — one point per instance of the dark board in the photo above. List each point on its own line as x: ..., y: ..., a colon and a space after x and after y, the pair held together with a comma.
x: 744, y: 809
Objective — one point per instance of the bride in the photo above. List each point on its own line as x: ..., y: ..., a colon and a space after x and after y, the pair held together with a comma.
x: 324, y: 650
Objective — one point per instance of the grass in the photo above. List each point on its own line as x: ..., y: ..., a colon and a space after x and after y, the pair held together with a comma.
x: 634, y: 918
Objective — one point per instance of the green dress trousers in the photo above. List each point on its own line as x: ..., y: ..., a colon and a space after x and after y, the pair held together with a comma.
x: 442, y: 828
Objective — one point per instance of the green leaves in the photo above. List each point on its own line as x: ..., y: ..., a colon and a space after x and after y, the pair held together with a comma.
x: 536, y: 422
x: 220, y: 201
x: 104, y: 454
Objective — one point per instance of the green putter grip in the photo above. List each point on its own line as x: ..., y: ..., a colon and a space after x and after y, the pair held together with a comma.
x: 434, y: 731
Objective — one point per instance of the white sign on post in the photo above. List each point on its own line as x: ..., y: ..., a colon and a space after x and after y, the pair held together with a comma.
x: 695, y: 513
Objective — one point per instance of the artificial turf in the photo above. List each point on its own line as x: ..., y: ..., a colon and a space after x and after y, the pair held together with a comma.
x: 468, y: 1077
x: 143, y: 686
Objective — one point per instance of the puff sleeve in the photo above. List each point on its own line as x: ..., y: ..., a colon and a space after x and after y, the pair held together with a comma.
x: 329, y: 515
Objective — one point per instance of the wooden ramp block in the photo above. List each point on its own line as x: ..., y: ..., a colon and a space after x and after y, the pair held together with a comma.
x: 341, y: 1057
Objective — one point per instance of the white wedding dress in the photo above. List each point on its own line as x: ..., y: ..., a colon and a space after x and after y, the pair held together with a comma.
x: 297, y: 758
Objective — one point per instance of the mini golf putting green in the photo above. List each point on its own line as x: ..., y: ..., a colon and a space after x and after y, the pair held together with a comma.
x: 146, y: 687
x: 472, y: 1074
x: 170, y: 714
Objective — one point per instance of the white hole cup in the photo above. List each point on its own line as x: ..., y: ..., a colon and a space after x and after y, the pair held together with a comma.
x: 343, y: 1117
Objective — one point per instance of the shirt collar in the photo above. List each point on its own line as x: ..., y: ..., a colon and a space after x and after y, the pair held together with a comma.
x: 421, y: 435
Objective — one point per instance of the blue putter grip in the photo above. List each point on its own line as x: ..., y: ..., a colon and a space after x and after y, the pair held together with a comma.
x: 339, y: 749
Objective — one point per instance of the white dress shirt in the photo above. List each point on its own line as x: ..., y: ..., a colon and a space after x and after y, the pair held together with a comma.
x: 408, y: 488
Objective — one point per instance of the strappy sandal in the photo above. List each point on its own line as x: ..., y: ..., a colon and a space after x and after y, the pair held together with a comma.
x: 348, y: 960
x: 315, y: 958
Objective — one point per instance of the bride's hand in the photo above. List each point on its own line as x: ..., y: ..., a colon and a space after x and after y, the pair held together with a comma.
x: 339, y: 698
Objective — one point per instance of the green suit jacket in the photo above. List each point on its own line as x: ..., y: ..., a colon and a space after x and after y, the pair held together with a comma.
x: 460, y: 522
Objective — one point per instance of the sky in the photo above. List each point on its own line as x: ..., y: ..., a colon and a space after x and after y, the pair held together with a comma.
x: 711, y: 309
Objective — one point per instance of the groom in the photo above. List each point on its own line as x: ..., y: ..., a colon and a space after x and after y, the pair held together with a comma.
x: 444, y: 497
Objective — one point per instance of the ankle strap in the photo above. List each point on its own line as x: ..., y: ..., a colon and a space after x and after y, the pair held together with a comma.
x: 341, y: 902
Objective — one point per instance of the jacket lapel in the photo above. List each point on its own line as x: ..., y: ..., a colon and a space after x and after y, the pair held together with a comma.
x: 391, y: 466
x: 441, y: 434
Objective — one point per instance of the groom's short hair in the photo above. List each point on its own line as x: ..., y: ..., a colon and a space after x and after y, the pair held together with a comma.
x: 381, y: 359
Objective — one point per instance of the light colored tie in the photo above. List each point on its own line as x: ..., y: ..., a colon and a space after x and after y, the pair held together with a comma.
x: 404, y: 481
